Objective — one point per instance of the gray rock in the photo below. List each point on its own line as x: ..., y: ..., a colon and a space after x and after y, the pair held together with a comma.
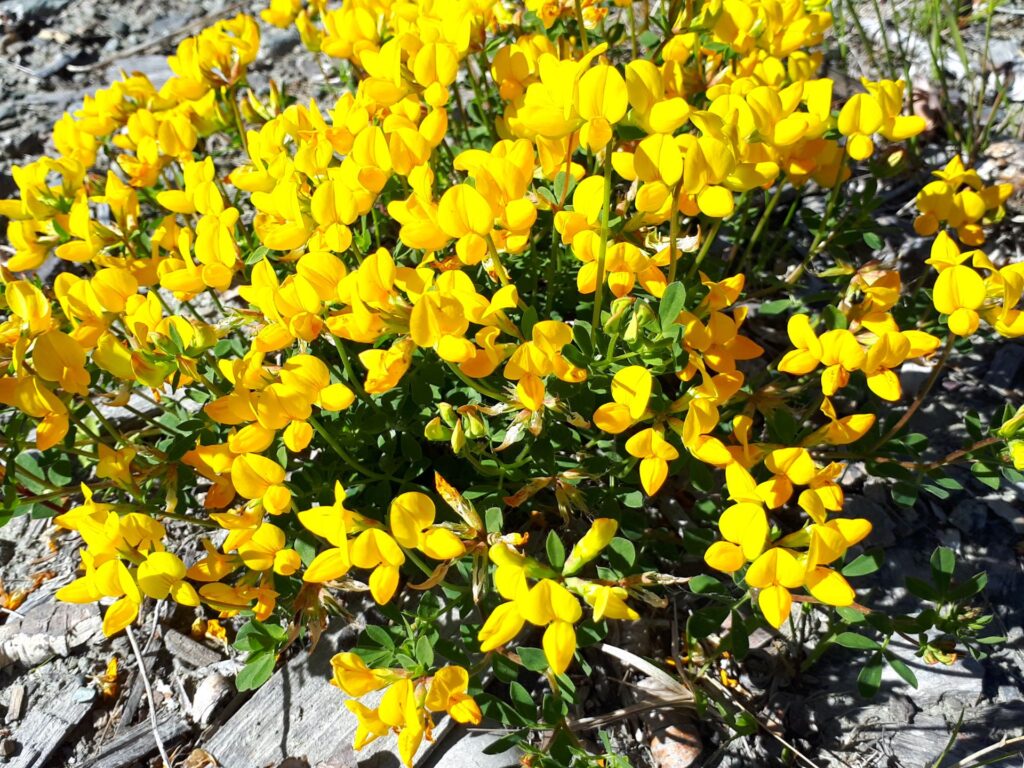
x: 949, y: 537
x: 1007, y: 366
x: 153, y: 67
x: 921, y: 742
x: 958, y: 685
x: 883, y: 532
x: 279, y: 42
x: 1002, y: 52
x: 1010, y: 512
x: 912, y: 377
x: 33, y: 10
x: 969, y: 515
x: 464, y: 748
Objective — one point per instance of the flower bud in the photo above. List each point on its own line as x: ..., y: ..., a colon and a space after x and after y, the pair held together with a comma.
x: 436, y: 431
x: 1013, y: 424
x: 618, y: 311
x: 475, y: 426
x: 448, y: 414
x: 590, y: 546
x: 458, y: 438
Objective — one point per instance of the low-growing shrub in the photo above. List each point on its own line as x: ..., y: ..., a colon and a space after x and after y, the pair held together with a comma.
x: 496, y: 333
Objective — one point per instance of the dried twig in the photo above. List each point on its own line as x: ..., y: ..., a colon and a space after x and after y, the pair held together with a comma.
x: 149, y: 696
x: 973, y: 760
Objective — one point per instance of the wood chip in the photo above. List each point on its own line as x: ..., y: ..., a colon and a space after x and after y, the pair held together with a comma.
x: 47, y: 630
x: 136, y: 743
x: 16, y: 705
x: 188, y: 650
x: 45, y: 727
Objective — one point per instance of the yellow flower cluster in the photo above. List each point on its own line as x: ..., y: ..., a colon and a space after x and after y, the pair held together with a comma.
x: 406, y: 705
x: 393, y: 251
x: 960, y: 200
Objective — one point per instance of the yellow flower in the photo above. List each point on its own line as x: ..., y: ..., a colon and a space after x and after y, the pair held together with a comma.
x: 266, y: 550
x: 774, y: 573
x: 448, y: 693
x: 412, y: 525
x: 373, y: 548
x: 631, y: 391
x: 161, y: 575
x: 539, y: 357
x: 353, y: 676
x: 257, y: 477
x: 654, y: 452
x: 332, y: 523
x: 959, y: 292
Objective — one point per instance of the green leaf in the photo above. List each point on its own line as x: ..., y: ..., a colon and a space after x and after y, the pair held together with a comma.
x: 776, y: 307
x: 554, y: 708
x: 504, y: 669
x: 624, y: 549
x: 257, y: 670
x: 902, y: 670
x: 425, y: 652
x: 870, y: 678
x: 873, y: 241
x: 969, y: 588
x: 522, y: 700
x: 256, y: 636
x: 706, y: 621
x: 493, y: 519
x: 504, y: 744
x: 922, y: 589
x: 834, y: 319
x: 533, y: 659
x: 986, y: 475
x: 257, y: 255
x: 555, y: 550
x: 672, y: 303
x: 856, y: 641
x: 991, y: 640
x: 904, y: 494
x: 864, y: 564
x: 850, y: 615
x: 703, y: 584
x: 943, y: 563
x: 589, y: 633
x: 380, y: 636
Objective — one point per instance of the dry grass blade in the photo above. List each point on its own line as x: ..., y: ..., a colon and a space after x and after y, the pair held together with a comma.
x: 599, y: 721
x: 149, y: 697
x: 649, y: 669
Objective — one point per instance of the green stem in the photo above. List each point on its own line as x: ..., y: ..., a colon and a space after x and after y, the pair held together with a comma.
x: 579, y: 22
x: 761, y: 224
x: 603, y: 248
x: 343, y: 454
x: 821, y: 234
x: 477, y: 386
x: 499, y: 268
x: 673, y: 234
x: 350, y: 374
x: 704, y: 249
